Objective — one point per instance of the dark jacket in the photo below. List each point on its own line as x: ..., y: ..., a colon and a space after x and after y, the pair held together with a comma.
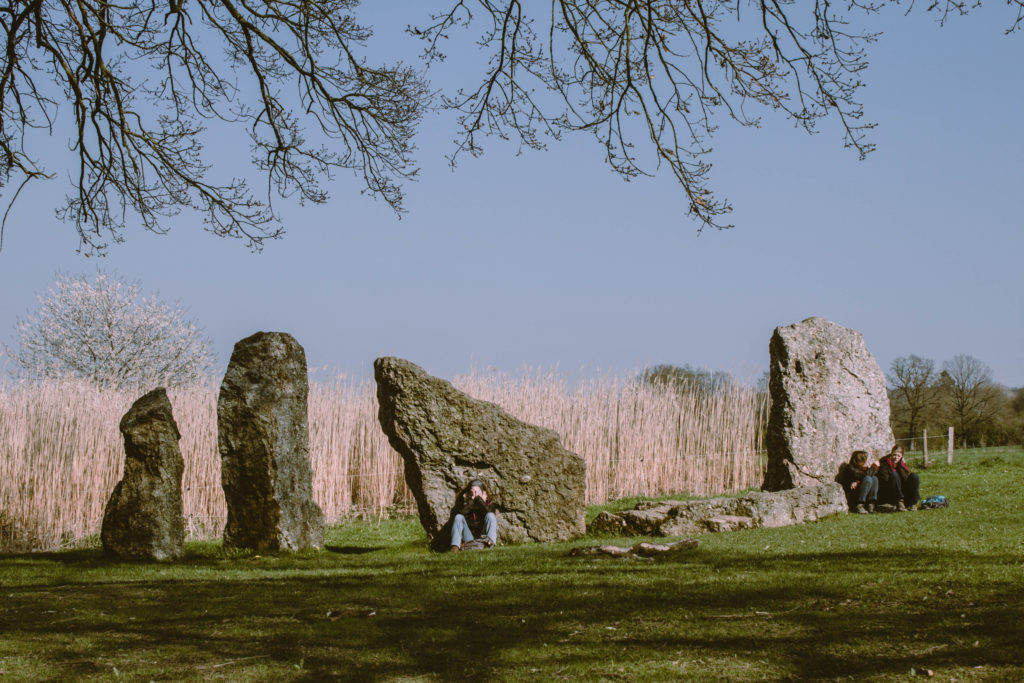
x: 849, y: 473
x: 887, y: 468
x: 474, y: 510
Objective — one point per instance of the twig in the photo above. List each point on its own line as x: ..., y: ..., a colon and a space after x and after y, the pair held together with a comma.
x: 235, y: 661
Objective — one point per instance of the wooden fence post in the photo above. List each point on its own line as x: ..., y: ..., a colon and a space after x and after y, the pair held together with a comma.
x: 924, y: 440
x: 949, y: 448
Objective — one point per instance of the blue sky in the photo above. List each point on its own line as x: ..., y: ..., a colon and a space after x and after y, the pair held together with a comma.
x: 548, y: 258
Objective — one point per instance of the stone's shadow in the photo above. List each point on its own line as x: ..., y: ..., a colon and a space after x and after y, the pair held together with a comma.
x: 352, y: 549
x: 443, y: 540
x: 76, y: 557
x: 409, y: 623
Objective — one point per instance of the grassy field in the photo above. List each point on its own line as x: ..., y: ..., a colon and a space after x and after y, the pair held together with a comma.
x: 852, y: 597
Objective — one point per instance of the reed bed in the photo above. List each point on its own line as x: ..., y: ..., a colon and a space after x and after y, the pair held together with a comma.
x: 62, y: 452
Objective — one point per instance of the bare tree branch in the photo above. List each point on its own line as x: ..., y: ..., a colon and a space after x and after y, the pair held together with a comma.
x: 651, y: 80
x: 140, y: 90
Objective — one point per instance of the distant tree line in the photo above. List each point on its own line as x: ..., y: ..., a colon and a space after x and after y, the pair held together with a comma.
x: 960, y: 393
x: 687, y: 378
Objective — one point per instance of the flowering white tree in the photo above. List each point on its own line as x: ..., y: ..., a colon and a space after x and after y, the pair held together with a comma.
x: 104, y: 331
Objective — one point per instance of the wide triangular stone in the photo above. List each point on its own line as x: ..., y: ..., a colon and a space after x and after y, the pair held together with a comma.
x: 448, y: 438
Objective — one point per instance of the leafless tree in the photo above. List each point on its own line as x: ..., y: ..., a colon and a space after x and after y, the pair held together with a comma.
x: 650, y: 79
x: 973, y: 396
x: 912, y: 382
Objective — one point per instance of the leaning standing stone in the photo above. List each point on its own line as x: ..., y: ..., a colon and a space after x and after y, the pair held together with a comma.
x: 263, y: 437
x: 828, y: 400
x: 143, y: 519
x: 448, y: 438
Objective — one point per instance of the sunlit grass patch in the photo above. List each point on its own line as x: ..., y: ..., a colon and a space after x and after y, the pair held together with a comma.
x: 851, y: 596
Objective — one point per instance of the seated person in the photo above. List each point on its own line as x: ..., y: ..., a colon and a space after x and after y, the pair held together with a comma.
x: 858, y: 480
x: 897, y: 484
x: 475, y: 517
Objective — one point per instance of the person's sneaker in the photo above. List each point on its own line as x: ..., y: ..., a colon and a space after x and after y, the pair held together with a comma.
x: 871, y: 507
x: 454, y: 549
x: 900, y: 507
x: 860, y: 509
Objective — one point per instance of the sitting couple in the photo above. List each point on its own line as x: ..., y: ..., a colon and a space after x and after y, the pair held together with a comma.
x: 475, y: 524
x: 886, y: 482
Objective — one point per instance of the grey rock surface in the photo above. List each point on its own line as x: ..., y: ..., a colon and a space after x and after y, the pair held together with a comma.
x: 828, y: 400
x: 448, y: 438
x: 144, y: 518
x: 263, y: 437
x: 637, y: 550
x: 688, y: 518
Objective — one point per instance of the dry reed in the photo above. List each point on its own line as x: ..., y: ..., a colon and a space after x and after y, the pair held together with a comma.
x: 62, y: 451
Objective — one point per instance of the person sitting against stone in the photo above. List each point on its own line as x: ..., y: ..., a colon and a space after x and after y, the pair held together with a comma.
x: 859, y: 481
x: 897, y: 484
x: 476, y: 518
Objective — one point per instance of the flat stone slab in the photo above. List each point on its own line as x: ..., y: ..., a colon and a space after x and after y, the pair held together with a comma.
x: 637, y: 550
x: 689, y: 518
x: 728, y: 523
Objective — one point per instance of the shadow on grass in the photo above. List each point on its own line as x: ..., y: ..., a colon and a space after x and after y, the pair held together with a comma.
x: 81, y: 556
x: 352, y: 549
x: 510, y: 614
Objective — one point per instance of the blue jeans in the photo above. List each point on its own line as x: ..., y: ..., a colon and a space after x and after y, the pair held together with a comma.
x: 461, y: 532
x: 866, y: 492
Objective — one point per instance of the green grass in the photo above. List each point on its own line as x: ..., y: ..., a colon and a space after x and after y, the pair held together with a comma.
x: 850, y: 597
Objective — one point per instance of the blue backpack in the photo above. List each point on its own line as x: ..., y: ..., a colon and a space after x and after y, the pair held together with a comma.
x: 932, y: 502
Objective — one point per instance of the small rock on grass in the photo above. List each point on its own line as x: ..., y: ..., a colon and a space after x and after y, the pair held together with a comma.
x: 638, y: 550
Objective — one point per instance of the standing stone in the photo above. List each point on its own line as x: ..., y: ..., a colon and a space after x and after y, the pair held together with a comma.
x: 828, y: 400
x: 143, y: 519
x: 263, y: 437
x: 447, y: 438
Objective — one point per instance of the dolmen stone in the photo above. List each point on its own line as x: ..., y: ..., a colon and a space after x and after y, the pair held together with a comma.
x: 828, y: 399
x: 144, y: 518
x: 263, y: 438
x: 692, y: 517
x: 447, y: 438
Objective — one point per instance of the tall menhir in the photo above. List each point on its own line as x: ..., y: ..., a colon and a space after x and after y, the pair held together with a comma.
x: 828, y: 400
x: 263, y: 438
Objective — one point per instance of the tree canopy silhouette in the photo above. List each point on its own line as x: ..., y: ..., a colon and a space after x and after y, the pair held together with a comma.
x: 137, y: 83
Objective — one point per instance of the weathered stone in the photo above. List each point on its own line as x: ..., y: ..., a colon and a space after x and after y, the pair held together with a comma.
x: 447, y: 438
x: 692, y: 517
x: 728, y: 523
x: 144, y: 519
x: 263, y: 437
x: 638, y: 550
x: 602, y: 551
x: 828, y: 400
x: 661, y: 549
